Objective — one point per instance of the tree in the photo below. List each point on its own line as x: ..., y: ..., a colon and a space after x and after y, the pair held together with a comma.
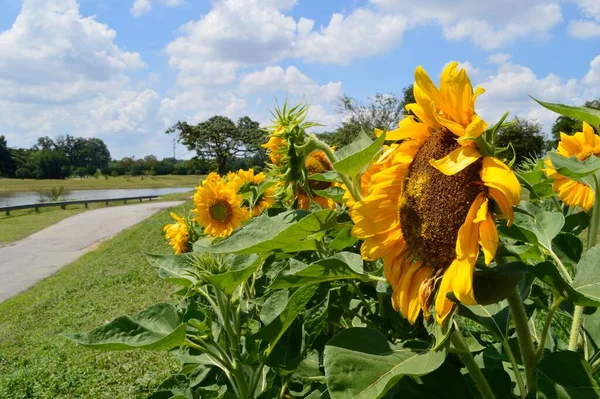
x: 526, y: 138
x: 570, y: 126
x: 219, y: 138
x: 85, y: 155
x: 51, y: 164
x: 8, y: 165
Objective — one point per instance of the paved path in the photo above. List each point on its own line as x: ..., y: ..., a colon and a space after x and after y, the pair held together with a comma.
x: 40, y: 255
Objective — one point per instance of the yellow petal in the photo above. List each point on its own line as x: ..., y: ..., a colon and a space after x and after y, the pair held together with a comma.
x: 424, y: 109
x: 455, y: 127
x: 176, y: 217
x: 462, y: 285
x: 488, y: 238
x: 467, y: 244
x: 463, y: 90
x: 505, y: 205
x: 456, y: 161
x: 408, y: 128
x: 443, y: 306
x: 494, y: 173
x: 428, y: 88
x: 409, y: 291
x: 476, y: 127
x: 574, y: 193
x: 589, y: 135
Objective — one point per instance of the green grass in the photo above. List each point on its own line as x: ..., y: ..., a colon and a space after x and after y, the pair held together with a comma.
x: 12, y: 185
x: 25, y: 222
x: 36, y: 362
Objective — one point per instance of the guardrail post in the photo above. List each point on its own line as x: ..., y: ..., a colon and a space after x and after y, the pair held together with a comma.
x: 140, y: 200
x: 7, y: 212
x: 105, y: 203
x: 85, y: 204
x: 63, y: 207
x: 124, y: 201
x: 37, y: 208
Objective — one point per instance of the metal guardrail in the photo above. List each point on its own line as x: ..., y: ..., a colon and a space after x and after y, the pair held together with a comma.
x: 63, y: 204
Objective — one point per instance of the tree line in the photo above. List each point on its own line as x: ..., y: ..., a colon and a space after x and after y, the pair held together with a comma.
x: 221, y: 144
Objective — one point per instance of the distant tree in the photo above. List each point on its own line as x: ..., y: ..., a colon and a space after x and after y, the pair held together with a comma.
x: 8, y: 166
x: 526, y: 138
x: 44, y: 143
x: 90, y: 154
x: 570, y: 126
x: 219, y: 138
x: 51, y: 164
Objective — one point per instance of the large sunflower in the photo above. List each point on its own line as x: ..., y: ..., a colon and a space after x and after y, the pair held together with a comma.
x: 581, y: 145
x: 245, y: 179
x: 219, y: 208
x: 428, y: 204
x: 178, y: 234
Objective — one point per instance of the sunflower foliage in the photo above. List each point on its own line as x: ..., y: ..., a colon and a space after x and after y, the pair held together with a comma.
x: 418, y: 264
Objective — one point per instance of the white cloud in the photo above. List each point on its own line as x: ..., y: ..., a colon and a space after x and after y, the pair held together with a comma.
x: 62, y: 73
x: 510, y: 88
x: 361, y: 34
x: 590, y: 8
x: 498, y: 58
x: 141, y: 7
x: 274, y: 78
x: 593, y: 76
x: 584, y: 29
x: 487, y: 24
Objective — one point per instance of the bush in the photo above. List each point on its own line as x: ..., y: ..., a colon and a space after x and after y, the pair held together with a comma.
x: 23, y: 173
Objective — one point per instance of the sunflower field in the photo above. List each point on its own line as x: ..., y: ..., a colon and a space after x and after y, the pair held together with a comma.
x: 421, y: 264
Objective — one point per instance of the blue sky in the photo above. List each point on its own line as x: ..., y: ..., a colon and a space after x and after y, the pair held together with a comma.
x: 125, y: 70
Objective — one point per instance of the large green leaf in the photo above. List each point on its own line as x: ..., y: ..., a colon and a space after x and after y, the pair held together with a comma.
x: 273, y: 306
x: 295, y: 305
x: 240, y: 268
x: 361, y: 363
x: 564, y: 375
x: 585, y: 114
x: 535, y: 225
x: 581, y: 171
x: 343, y: 239
x: 358, y: 154
x: 445, y: 382
x: 587, y: 279
x: 156, y: 328
x: 547, y: 272
x: 264, y: 234
x: 174, y: 268
x: 568, y: 246
x: 494, y: 317
x: 341, y: 266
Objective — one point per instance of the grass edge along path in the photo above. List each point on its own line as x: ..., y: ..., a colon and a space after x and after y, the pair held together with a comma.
x: 36, y: 362
x: 91, y: 183
x: 25, y: 222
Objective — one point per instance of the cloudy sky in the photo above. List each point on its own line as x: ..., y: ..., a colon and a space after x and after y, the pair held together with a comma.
x: 125, y: 70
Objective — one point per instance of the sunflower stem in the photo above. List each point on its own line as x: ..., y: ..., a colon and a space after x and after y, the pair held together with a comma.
x: 562, y: 268
x: 515, y: 366
x: 574, y: 336
x: 524, y: 337
x: 540, y: 350
x: 332, y: 158
x: 465, y: 355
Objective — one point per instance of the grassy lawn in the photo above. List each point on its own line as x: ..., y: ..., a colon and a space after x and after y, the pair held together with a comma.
x: 11, y: 185
x: 36, y: 362
x: 25, y: 222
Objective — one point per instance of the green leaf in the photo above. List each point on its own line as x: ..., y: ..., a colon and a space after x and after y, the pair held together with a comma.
x: 335, y: 193
x: 174, y: 268
x: 569, y: 246
x: 264, y: 234
x: 493, y: 317
x: 273, y: 306
x: 581, y: 171
x: 343, y: 239
x: 585, y: 114
x: 587, y: 279
x: 535, y: 225
x: 493, y: 285
x: 358, y: 154
x: 240, y: 268
x: 295, y: 305
x: 562, y: 375
x: 547, y: 272
x: 178, y: 386
x: 577, y: 222
x: 361, y: 363
x: 445, y: 382
x: 341, y: 266
x: 156, y: 328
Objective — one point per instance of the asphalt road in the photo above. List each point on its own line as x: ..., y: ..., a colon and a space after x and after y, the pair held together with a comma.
x: 25, y: 262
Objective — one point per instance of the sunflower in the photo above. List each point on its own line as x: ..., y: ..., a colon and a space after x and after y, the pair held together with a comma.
x: 315, y: 163
x: 431, y: 200
x: 245, y: 179
x: 581, y: 145
x: 219, y: 208
x: 178, y: 234
x: 277, y: 146
x: 265, y: 201
x: 212, y: 177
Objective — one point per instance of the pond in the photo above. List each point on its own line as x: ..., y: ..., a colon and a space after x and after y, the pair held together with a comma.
x: 32, y: 197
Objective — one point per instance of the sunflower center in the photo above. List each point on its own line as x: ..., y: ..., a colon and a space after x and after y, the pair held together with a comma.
x: 434, y: 206
x: 582, y: 156
x: 220, y: 211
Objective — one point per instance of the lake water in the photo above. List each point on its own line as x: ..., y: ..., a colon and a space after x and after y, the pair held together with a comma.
x: 32, y: 197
